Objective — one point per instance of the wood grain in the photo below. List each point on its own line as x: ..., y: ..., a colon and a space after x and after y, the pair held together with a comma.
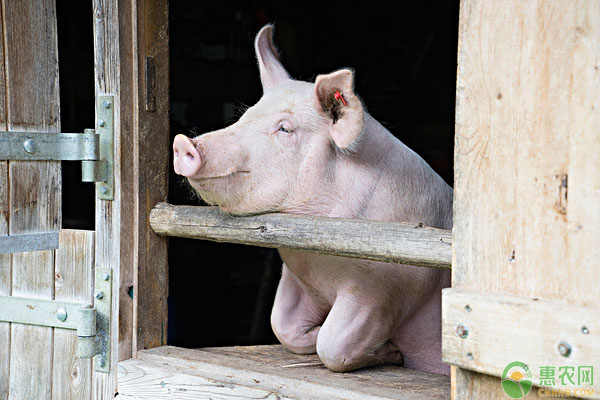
x: 285, y: 374
x: 73, y: 281
x: 142, y: 380
x: 32, y: 103
x: 486, y: 347
x: 374, y: 240
x: 151, y: 174
x: 107, y: 59
x: 527, y: 186
x: 5, y: 259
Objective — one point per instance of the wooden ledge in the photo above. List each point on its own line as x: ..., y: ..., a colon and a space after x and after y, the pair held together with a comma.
x: 265, y: 372
x: 374, y: 240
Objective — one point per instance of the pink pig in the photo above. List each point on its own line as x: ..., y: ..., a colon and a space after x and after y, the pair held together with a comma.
x: 303, y: 149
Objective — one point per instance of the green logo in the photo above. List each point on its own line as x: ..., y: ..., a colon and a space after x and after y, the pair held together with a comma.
x: 516, y: 380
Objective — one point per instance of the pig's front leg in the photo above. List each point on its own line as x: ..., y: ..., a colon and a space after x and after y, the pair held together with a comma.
x: 295, y: 318
x: 356, y: 335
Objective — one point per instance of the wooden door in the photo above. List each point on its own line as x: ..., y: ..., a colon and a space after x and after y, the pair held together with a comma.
x: 527, y: 194
x: 38, y: 362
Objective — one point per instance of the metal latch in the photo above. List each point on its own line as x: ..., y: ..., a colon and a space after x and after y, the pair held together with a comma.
x: 94, y: 148
x: 92, y: 324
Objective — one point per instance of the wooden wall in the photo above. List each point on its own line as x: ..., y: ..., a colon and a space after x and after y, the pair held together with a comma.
x: 527, y: 183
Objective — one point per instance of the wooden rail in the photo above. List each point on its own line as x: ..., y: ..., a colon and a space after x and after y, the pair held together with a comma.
x: 373, y: 240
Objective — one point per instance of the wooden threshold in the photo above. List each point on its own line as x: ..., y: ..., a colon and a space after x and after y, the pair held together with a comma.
x: 264, y: 372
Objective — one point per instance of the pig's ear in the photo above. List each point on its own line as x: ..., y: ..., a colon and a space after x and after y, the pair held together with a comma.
x: 335, y: 99
x: 272, y: 72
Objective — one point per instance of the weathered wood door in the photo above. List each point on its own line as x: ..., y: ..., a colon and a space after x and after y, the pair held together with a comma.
x: 131, y: 64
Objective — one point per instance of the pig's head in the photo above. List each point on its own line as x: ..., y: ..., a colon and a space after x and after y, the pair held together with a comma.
x: 281, y: 152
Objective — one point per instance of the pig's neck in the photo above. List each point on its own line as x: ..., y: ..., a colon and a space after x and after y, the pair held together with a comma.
x: 348, y: 186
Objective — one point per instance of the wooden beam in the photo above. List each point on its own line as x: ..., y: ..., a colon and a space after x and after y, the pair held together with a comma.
x: 373, y: 240
x: 150, y: 172
x: 246, y: 371
x: 531, y: 332
x: 527, y: 171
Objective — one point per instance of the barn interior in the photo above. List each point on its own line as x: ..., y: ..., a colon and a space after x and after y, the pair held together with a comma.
x: 405, y: 69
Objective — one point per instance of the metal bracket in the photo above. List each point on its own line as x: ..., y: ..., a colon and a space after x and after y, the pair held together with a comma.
x: 92, y: 324
x: 102, y: 171
x: 28, y: 242
x: 94, y: 148
x: 103, y: 297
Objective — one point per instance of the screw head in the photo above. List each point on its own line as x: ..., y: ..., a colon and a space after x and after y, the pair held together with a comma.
x: 470, y: 356
x: 103, y: 189
x: 468, y: 308
x: 462, y: 331
x: 105, y: 276
x: 61, y: 314
x: 29, y: 146
x: 99, y: 295
x: 585, y: 330
x: 106, y: 104
x: 564, y: 349
x: 101, y: 123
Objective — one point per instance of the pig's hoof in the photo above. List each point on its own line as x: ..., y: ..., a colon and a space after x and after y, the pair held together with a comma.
x: 345, y: 361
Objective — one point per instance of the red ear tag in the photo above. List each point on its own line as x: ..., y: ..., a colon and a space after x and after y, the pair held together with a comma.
x: 338, y: 96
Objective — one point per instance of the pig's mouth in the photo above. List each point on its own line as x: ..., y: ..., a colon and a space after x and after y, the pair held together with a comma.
x: 227, y: 174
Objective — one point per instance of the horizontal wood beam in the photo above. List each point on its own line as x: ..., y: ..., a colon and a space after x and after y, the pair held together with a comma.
x: 484, y: 332
x: 373, y: 240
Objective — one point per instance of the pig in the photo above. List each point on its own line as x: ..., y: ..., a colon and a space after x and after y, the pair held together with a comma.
x: 312, y: 149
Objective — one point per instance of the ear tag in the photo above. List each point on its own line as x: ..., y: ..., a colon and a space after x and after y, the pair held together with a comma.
x: 338, y: 96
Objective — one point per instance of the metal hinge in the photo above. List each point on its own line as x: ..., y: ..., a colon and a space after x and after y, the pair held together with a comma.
x: 94, y: 148
x: 93, y: 324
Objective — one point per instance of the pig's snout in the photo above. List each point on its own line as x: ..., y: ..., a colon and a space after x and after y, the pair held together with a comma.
x: 186, y: 158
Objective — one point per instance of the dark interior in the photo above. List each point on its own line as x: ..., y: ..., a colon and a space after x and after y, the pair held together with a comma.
x: 404, y: 60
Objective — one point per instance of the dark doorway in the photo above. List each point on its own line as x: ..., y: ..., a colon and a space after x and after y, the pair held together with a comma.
x: 405, y: 67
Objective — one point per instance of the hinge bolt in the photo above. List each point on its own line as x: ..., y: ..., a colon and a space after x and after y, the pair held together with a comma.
x: 564, y: 349
x: 99, y: 295
x: 29, y: 146
x: 462, y: 331
x: 61, y: 314
x: 101, y: 123
x: 105, y: 276
x: 106, y: 104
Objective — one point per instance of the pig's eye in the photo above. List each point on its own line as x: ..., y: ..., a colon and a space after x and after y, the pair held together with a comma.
x: 282, y: 128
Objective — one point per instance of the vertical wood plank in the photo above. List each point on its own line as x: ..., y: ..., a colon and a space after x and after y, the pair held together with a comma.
x: 127, y: 189
x: 583, y: 206
x: 30, y: 346
x: 31, y: 69
x: 5, y: 259
x: 114, y: 236
x: 151, y: 171
x: 73, y: 282
x: 527, y: 186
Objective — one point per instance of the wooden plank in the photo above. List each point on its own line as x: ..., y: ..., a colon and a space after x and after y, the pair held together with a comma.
x: 519, y: 317
x: 31, y: 76
x: 127, y: 181
x: 30, y: 355
x: 373, y: 240
x: 5, y: 259
x: 151, y: 172
x: 526, y: 190
x: 276, y: 370
x: 72, y: 377
x: 108, y: 238
x: 142, y: 380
